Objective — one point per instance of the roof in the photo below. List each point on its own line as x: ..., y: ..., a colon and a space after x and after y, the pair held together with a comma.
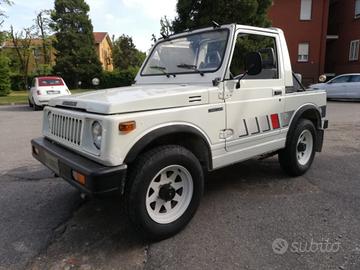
x: 100, y: 36
x: 34, y: 42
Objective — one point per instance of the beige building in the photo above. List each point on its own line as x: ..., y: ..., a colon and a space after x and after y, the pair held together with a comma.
x: 104, y: 50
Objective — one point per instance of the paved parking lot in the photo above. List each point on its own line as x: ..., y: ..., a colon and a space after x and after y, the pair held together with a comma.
x: 252, y: 216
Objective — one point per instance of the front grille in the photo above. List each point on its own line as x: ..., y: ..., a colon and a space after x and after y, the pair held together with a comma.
x: 66, y: 128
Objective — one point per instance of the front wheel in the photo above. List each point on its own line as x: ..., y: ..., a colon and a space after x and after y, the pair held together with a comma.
x: 299, y: 153
x: 164, y: 191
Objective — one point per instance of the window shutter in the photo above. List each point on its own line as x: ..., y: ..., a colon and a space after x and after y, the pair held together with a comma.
x: 357, y: 8
x: 354, y: 50
x: 305, y: 11
x: 303, y: 52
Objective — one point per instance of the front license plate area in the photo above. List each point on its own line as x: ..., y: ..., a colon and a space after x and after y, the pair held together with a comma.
x: 52, y: 162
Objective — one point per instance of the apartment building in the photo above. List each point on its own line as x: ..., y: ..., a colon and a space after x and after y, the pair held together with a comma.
x: 323, y: 35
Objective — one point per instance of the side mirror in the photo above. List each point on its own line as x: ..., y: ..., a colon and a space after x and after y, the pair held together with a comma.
x: 253, y: 66
x: 253, y: 63
x: 322, y: 78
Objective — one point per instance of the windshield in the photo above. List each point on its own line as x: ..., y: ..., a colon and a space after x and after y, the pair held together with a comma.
x: 195, y: 53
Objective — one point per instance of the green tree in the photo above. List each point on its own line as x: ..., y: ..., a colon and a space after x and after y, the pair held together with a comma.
x: 22, y: 44
x: 42, y: 22
x: 76, y: 58
x: 5, y: 85
x: 200, y: 13
x: 125, y: 54
x: 2, y: 12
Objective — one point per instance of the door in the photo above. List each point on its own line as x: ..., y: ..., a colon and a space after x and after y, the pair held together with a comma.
x: 32, y: 89
x: 337, y: 88
x: 353, y: 90
x: 255, y: 110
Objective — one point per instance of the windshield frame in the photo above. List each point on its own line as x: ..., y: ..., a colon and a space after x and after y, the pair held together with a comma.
x: 182, y: 35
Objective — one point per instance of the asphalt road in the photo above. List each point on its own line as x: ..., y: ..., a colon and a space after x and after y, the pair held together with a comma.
x: 252, y: 215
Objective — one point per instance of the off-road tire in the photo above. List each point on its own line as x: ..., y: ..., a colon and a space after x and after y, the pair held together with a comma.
x: 141, y: 175
x: 288, y: 157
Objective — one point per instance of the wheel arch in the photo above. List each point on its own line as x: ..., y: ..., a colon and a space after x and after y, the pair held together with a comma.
x: 310, y: 112
x: 180, y: 134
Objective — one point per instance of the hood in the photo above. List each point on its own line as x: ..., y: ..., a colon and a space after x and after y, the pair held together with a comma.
x: 320, y: 86
x: 136, y: 98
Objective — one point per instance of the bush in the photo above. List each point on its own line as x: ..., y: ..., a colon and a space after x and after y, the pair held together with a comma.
x: 17, y: 82
x: 5, y: 85
x: 118, y: 78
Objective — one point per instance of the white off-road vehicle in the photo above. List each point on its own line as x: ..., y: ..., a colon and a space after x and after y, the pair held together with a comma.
x: 203, y: 100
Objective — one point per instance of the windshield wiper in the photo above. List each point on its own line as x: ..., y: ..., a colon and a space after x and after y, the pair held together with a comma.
x: 192, y: 67
x: 163, y: 70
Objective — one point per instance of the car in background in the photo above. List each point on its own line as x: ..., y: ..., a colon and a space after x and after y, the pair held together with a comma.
x: 45, y: 88
x: 346, y: 86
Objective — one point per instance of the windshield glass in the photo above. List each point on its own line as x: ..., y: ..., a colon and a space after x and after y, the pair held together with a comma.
x: 195, y: 53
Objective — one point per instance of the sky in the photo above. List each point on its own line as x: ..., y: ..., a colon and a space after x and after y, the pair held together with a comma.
x: 136, y: 18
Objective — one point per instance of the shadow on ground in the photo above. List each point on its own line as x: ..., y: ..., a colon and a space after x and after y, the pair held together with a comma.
x: 15, y: 108
x: 101, y: 236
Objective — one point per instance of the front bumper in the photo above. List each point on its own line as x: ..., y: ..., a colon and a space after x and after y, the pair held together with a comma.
x: 98, y: 178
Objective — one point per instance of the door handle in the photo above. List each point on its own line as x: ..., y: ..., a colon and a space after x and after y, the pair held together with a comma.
x: 277, y: 92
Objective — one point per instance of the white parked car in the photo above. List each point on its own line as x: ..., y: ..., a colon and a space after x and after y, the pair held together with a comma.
x: 203, y: 100
x: 43, y: 89
x: 346, y: 86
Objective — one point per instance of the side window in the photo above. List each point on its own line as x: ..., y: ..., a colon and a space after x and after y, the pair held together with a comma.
x: 355, y: 78
x: 303, y: 52
x: 342, y: 79
x: 248, y: 43
x: 305, y: 10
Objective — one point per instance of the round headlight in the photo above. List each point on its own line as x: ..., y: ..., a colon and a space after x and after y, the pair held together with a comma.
x: 97, y: 134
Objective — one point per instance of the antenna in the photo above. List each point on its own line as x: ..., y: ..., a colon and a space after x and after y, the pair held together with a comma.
x: 215, y: 24
x: 164, y: 36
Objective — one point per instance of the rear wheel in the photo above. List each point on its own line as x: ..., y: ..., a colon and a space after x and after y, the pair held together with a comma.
x: 299, y: 153
x: 36, y: 107
x: 30, y: 104
x: 164, y: 190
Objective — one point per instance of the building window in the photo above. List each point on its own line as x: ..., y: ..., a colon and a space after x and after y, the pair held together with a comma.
x: 303, y: 54
x: 305, y: 11
x: 354, y: 50
x: 357, y: 8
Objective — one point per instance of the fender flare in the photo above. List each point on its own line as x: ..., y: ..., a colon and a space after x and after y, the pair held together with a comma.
x: 299, y: 114
x: 164, y: 131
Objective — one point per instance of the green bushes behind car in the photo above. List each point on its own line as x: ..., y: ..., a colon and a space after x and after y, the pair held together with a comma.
x: 108, y: 79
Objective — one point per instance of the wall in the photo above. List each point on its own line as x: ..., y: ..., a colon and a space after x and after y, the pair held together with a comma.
x: 343, y: 24
x: 104, y: 51
x: 285, y: 14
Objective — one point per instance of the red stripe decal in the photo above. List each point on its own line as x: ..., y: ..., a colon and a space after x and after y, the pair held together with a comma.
x: 275, y: 121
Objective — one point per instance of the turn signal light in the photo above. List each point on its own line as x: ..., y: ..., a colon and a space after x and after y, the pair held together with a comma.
x: 78, y: 177
x: 127, y: 127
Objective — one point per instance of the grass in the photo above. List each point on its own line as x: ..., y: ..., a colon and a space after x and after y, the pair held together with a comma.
x: 21, y: 97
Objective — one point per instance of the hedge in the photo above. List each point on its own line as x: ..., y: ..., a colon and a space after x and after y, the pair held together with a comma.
x: 118, y: 78
x: 4, y: 76
x: 107, y: 79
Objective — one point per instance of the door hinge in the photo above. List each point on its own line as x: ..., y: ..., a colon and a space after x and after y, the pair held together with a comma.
x: 225, y: 94
x: 226, y: 134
